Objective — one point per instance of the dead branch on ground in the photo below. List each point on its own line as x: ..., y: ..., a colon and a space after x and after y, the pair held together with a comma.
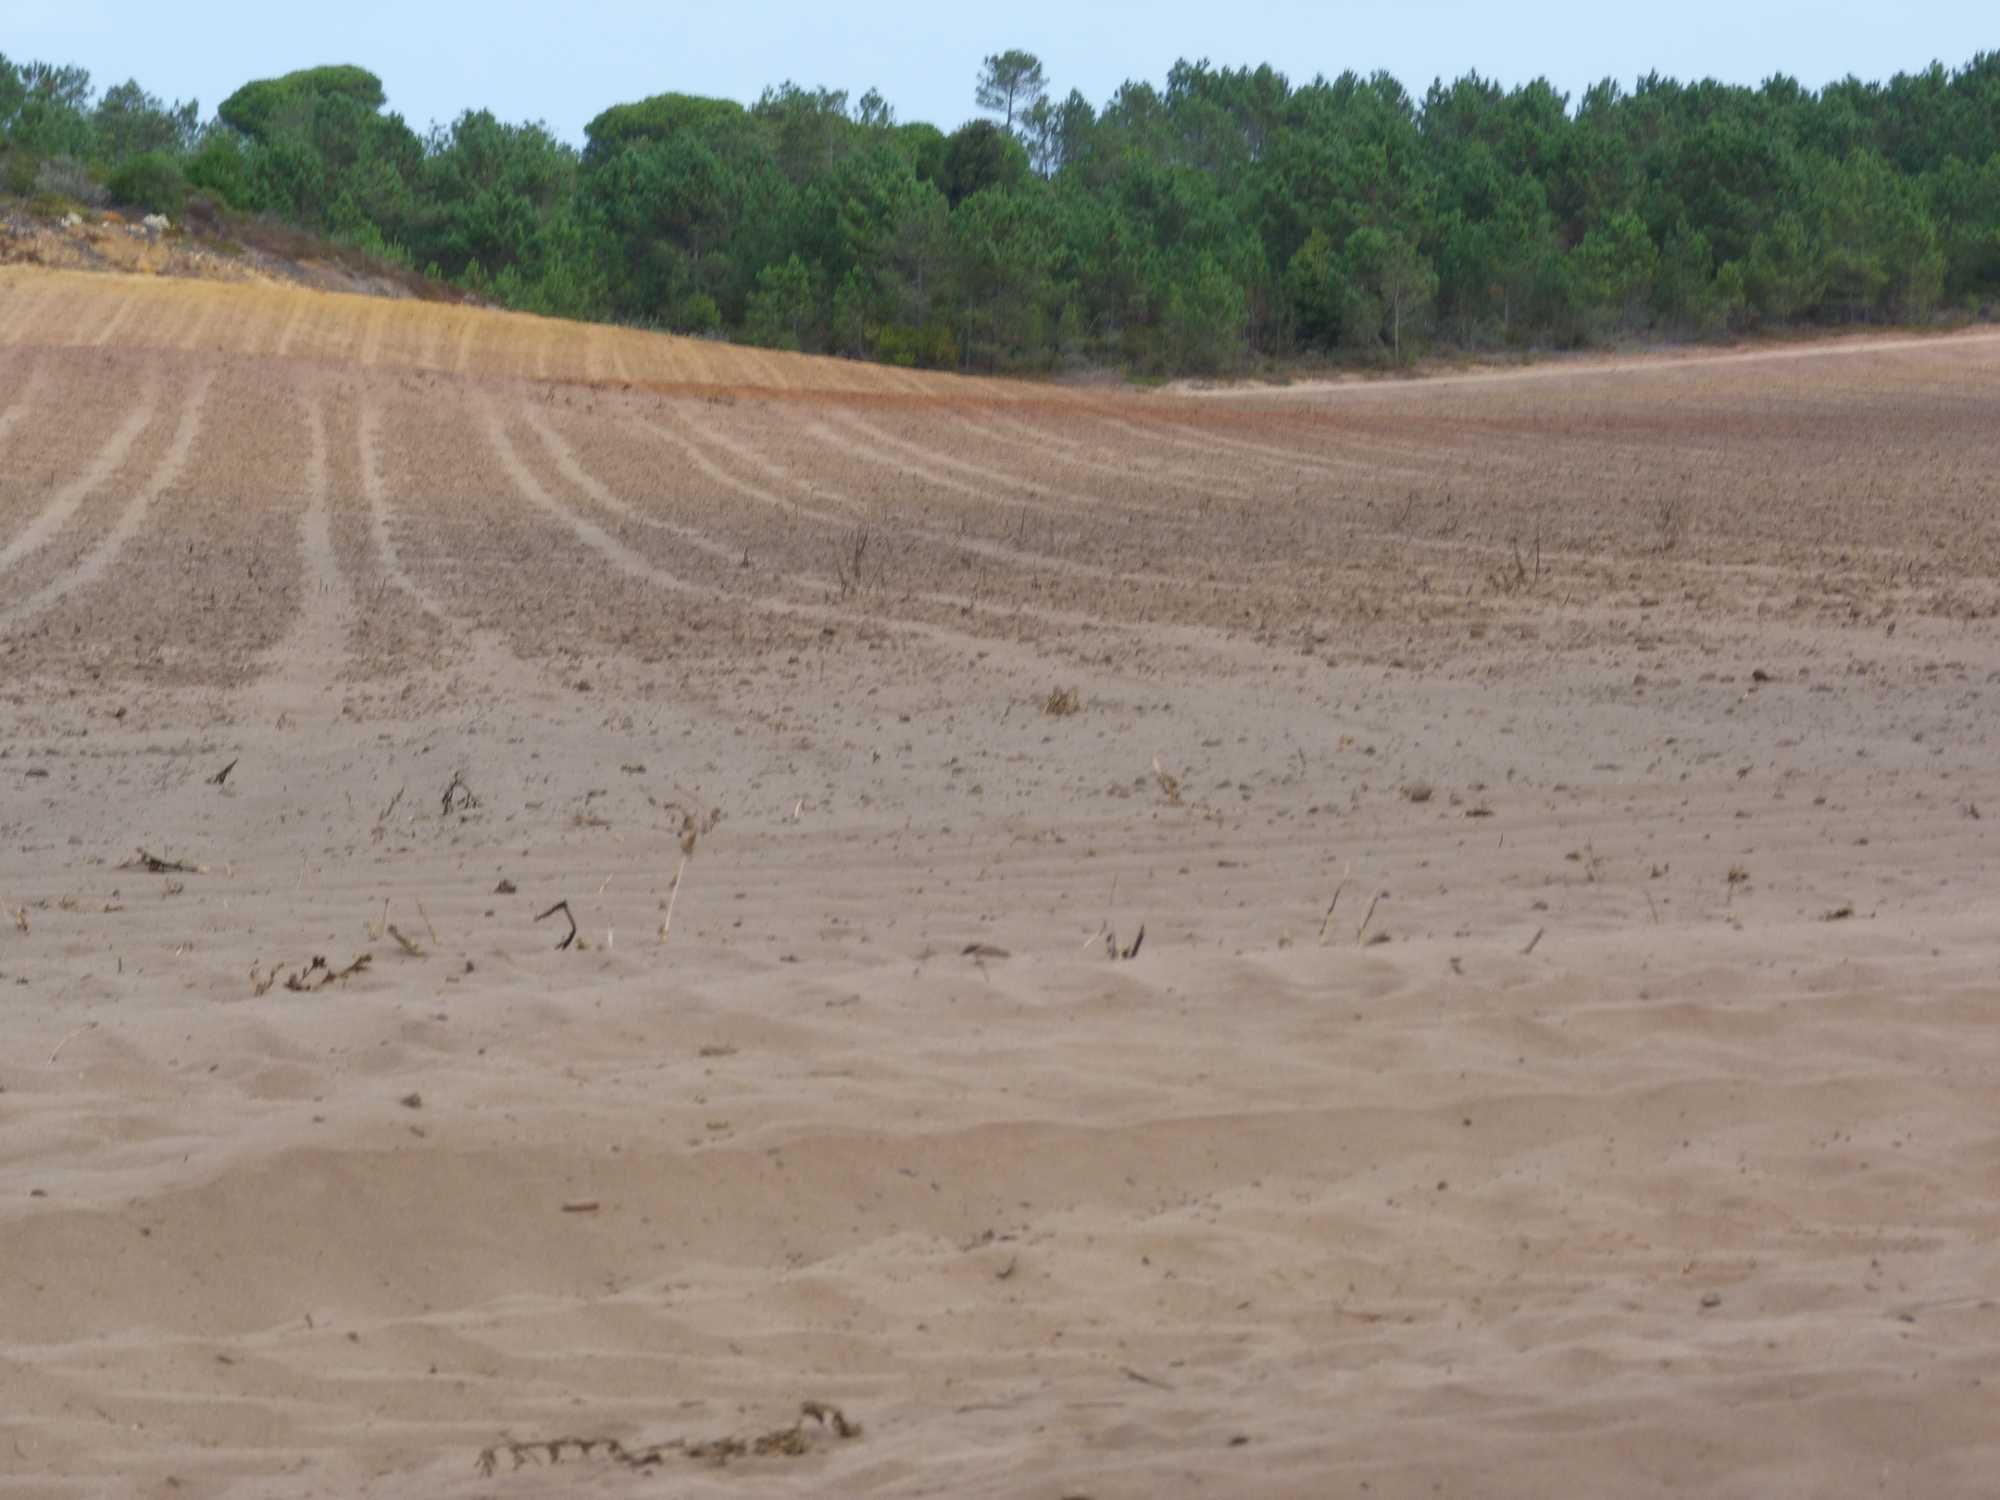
x: 1323, y: 921
x: 788, y: 1442
x: 152, y: 864
x: 318, y: 974
x: 1368, y: 917
x: 568, y: 916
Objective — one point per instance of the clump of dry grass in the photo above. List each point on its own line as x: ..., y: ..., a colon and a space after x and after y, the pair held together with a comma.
x: 1670, y: 519
x: 857, y: 562
x: 1520, y: 575
x: 1062, y: 702
x: 316, y: 975
x: 695, y: 823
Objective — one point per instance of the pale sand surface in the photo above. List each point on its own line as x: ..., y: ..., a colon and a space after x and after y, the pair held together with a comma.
x: 1695, y: 1197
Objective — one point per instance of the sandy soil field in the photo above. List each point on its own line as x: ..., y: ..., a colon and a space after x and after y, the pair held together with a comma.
x: 1561, y: 1058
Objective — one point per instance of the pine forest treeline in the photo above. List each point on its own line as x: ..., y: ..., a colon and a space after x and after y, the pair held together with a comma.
x: 1227, y: 219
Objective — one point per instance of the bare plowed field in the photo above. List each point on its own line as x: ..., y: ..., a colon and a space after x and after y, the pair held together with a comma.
x: 1400, y: 939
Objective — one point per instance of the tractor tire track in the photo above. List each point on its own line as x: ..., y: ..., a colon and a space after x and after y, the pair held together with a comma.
x: 371, y: 341
x: 1212, y: 445
x: 637, y: 567
x: 461, y: 352
x: 167, y: 473
x: 281, y: 347
x: 188, y: 341
x: 114, y: 311
x: 22, y: 308
x: 1079, y: 454
x: 306, y: 664
x: 989, y: 548
x: 686, y: 441
x: 593, y: 536
x: 567, y: 464
x: 855, y: 512
x: 23, y: 400
x: 981, y: 480
x: 375, y: 492
x: 61, y: 506
x: 430, y: 352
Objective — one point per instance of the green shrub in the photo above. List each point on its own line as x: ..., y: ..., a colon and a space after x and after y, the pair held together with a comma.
x: 17, y: 172
x: 697, y: 315
x: 930, y: 346
x: 151, y: 181
x: 221, y: 169
x: 370, y: 241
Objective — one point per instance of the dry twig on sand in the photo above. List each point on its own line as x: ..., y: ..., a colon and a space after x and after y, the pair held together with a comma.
x: 152, y: 864
x: 223, y: 775
x: 667, y: 920
x: 86, y: 1026
x: 788, y: 1442
x: 1323, y: 921
x: 568, y: 916
x: 457, y: 795
x: 318, y: 974
x: 1130, y: 950
x: 693, y: 825
x: 1170, y: 784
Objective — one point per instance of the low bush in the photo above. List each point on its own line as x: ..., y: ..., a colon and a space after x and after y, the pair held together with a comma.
x: 151, y: 181
x: 64, y: 177
x: 17, y: 172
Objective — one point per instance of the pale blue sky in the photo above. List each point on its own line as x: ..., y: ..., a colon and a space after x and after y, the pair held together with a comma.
x: 543, y: 59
